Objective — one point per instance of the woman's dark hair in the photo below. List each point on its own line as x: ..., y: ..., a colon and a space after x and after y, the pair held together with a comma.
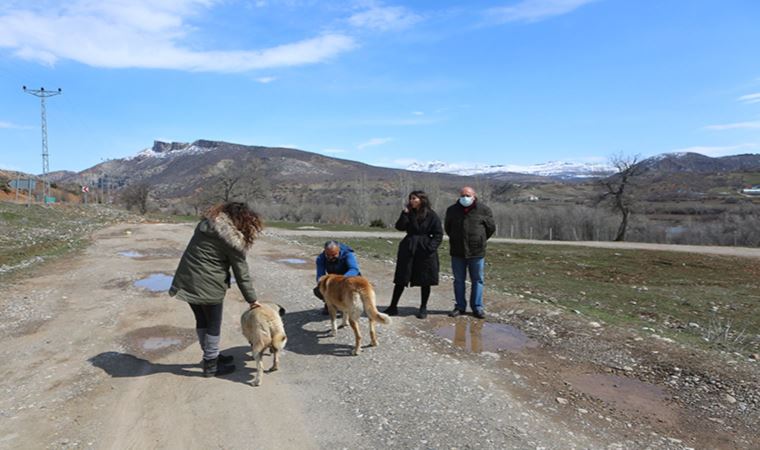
x: 244, y: 218
x: 422, y: 211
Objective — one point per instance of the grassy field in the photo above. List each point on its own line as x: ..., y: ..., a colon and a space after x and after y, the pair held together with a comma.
x: 703, y: 300
x: 321, y: 226
x: 35, y: 233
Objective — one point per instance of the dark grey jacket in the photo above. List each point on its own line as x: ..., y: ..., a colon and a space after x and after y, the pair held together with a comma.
x: 469, y: 232
x: 203, y: 274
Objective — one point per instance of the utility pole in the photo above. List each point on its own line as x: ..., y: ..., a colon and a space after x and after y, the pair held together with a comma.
x: 43, y: 94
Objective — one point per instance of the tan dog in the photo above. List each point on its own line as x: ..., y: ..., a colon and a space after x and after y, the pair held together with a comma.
x: 263, y: 328
x: 350, y: 295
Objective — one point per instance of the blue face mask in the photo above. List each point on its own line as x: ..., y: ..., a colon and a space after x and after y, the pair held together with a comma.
x: 466, y: 201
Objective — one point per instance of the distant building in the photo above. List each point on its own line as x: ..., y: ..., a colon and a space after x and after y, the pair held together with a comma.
x: 754, y: 190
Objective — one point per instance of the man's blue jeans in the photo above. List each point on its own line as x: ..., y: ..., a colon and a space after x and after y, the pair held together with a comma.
x: 460, y: 267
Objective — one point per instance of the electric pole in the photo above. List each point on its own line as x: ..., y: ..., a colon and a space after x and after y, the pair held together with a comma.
x: 43, y: 94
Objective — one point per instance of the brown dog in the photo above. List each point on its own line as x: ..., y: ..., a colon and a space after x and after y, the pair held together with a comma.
x: 264, y: 329
x: 350, y: 295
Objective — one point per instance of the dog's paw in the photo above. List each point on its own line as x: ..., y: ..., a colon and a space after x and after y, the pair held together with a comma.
x: 355, y: 352
x: 256, y: 383
x: 333, y: 333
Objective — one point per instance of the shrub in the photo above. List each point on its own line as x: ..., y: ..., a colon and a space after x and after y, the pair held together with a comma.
x: 377, y: 223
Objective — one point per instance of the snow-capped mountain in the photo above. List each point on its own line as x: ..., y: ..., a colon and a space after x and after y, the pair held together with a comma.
x: 558, y: 169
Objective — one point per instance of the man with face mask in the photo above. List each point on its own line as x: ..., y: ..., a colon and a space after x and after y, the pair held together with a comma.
x: 469, y: 224
x: 336, y: 258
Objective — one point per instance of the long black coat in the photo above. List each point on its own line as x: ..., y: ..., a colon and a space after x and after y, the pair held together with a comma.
x: 417, y: 258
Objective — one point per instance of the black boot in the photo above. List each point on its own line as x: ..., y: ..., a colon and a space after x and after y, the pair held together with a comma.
x: 391, y: 310
x: 212, y: 367
x: 425, y: 295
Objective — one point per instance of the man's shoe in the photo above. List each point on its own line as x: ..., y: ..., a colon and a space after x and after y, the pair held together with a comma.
x: 226, y: 359
x: 391, y: 311
x: 456, y: 313
x: 479, y: 314
x: 422, y: 314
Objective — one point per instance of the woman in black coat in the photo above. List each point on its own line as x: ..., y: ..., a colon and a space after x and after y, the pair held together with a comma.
x: 417, y: 258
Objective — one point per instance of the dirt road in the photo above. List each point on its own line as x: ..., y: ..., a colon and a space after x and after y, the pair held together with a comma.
x: 91, y: 360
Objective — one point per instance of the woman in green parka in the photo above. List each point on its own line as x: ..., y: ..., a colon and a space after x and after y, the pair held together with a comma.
x: 220, y: 243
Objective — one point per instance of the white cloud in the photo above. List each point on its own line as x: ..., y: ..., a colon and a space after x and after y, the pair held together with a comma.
x: 750, y: 98
x: 403, y: 122
x: 13, y: 126
x: 143, y: 34
x: 718, y: 150
x: 265, y: 80
x: 418, y: 113
x: 735, y: 126
x: 373, y: 142
x: 384, y: 18
x: 534, y: 10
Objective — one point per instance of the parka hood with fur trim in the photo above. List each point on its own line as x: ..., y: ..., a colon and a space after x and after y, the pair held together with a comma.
x: 222, y: 226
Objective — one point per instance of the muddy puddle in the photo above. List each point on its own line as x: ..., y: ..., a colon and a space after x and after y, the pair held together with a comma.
x: 153, y: 253
x: 477, y: 336
x: 131, y: 254
x: 158, y: 340
x: 156, y: 282
x: 643, y: 399
x: 295, y: 262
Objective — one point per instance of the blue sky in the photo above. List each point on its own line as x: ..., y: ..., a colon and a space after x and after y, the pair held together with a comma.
x: 386, y: 83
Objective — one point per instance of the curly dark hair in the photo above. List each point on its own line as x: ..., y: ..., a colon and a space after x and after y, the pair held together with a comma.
x: 246, y: 220
x: 422, y: 211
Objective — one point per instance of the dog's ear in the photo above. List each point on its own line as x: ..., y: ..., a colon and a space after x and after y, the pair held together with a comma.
x: 281, y: 310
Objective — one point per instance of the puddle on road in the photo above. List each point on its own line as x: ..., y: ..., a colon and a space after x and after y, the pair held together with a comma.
x: 626, y: 394
x: 153, y: 253
x: 292, y: 261
x: 157, y: 282
x: 158, y: 340
x: 289, y: 260
x: 476, y: 336
x: 131, y: 254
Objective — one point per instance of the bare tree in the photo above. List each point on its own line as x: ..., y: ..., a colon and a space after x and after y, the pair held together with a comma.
x: 483, y: 188
x: 136, y: 195
x: 360, y: 202
x: 433, y: 189
x: 236, y: 183
x: 617, y: 189
x: 404, y: 186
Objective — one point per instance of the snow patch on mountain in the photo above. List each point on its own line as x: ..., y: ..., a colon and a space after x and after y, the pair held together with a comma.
x: 561, y: 169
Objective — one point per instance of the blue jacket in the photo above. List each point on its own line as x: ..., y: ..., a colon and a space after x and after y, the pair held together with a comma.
x: 345, y: 264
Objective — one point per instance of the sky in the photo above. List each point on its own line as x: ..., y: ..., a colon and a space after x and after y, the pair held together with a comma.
x: 386, y: 83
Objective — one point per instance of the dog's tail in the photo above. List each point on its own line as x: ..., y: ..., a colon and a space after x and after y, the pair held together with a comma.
x: 279, y: 341
x: 370, y: 307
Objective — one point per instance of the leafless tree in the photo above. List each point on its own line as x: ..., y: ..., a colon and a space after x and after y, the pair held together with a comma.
x: 236, y: 183
x: 404, y: 186
x: 360, y: 201
x: 136, y: 195
x: 617, y: 189
x: 483, y: 188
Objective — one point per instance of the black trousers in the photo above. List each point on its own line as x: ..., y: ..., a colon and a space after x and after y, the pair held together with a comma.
x: 209, y: 317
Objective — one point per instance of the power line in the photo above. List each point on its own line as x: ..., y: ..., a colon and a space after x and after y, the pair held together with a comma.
x: 43, y: 94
